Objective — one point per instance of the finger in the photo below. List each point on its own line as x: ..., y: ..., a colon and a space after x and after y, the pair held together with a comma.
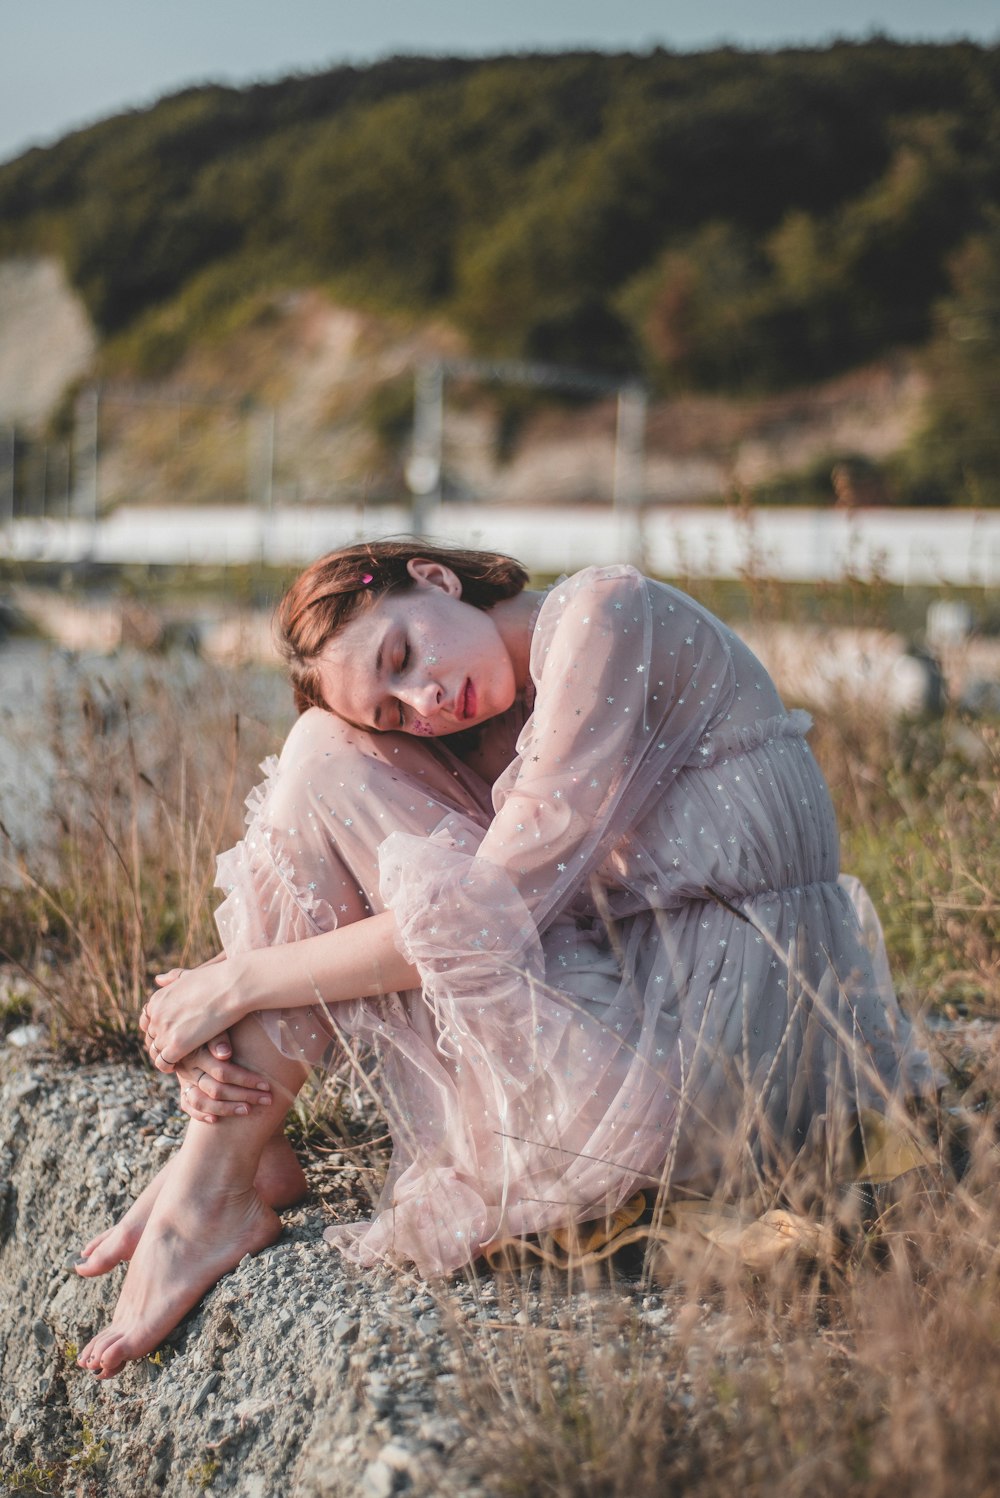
x: 219, y: 1092
x: 190, y: 1103
x: 220, y: 1047
x: 232, y: 1075
x: 169, y: 977
x: 201, y: 1103
x: 195, y: 1112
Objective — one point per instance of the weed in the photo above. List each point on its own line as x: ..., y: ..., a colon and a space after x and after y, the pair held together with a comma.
x: 32, y: 1478
x: 90, y: 1453
x: 204, y: 1473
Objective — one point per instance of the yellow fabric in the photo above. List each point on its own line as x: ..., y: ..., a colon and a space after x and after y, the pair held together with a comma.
x: 889, y: 1150
x: 734, y: 1232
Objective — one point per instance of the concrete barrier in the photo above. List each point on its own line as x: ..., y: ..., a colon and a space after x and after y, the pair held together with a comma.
x: 959, y: 547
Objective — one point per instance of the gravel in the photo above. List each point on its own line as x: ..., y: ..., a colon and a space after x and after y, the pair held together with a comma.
x: 296, y: 1374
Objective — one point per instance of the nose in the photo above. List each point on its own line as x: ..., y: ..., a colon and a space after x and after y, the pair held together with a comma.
x: 424, y: 697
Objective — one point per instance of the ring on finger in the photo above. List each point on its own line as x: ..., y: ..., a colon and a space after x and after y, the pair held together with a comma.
x: 188, y: 1090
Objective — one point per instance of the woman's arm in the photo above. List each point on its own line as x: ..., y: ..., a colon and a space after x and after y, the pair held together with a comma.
x: 356, y: 961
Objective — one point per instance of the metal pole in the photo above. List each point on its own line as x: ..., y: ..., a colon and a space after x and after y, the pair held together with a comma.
x: 270, y: 421
x: 628, y: 480
x: 423, y: 471
x: 11, y: 469
x: 88, y: 415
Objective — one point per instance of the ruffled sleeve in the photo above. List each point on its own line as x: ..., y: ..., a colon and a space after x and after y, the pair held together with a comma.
x: 266, y: 902
x: 307, y: 862
x: 629, y: 677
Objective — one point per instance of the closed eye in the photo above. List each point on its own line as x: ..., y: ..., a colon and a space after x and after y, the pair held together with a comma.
x: 404, y: 662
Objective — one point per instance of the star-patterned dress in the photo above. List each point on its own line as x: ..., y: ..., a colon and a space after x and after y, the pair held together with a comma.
x: 638, y: 962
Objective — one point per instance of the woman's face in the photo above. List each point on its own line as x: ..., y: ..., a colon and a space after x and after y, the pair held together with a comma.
x: 421, y: 662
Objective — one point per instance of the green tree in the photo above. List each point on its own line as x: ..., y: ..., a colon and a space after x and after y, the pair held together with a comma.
x: 956, y: 455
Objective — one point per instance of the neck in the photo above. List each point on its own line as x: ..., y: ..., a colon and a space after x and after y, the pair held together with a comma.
x: 513, y: 619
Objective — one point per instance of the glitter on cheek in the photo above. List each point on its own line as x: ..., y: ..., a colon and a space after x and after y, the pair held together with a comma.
x: 424, y: 729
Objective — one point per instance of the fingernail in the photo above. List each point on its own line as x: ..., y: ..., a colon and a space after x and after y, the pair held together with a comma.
x: 263, y: 1087
x: 265, y: 1101
x: 242, y: 1111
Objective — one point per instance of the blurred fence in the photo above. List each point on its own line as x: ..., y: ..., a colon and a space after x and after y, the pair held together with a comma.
x: 960, y: 547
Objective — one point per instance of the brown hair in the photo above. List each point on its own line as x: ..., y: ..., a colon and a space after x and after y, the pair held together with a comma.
x: 341, y: 585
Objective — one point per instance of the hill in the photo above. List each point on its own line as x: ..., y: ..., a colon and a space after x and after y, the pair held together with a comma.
x: 727, y: 221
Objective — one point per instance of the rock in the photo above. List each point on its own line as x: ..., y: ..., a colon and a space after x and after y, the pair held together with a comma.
x: 26, y: 1090
x: 25, y: 1035
x: 209, y: 1386
x: 297, y: 1373
x: 378, y: 1481
x: 399, y: 1456
x: 43, y: 1334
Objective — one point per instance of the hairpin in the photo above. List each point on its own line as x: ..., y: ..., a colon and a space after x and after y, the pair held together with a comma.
x: 367, y: 577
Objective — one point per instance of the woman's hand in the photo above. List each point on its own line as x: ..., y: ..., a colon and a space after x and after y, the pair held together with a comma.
x: 191, y: 1008
x: 212, y: 1086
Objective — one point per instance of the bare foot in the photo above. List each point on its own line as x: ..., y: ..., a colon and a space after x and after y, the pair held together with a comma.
x: 280, y: 1182
x: 195, y: 1233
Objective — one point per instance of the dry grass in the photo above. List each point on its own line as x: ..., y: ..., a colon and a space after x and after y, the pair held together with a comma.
x: 148, y: 781
x: 875, y: 1374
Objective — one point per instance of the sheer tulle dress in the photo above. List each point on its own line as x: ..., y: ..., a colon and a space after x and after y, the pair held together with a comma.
x: 638, y: 963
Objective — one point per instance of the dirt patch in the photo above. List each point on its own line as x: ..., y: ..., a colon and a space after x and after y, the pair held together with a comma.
x: 46, y: 339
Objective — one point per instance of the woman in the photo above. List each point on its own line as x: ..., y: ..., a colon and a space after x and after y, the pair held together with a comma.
x: 630, y: 963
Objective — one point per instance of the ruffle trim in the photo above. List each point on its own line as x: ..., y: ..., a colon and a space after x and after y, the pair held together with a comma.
x: 731, y: 738
x: 236, y: 866
x: 258, y: 798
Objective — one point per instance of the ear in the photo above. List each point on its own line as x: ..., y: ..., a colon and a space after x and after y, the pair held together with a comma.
x: 428, y: 574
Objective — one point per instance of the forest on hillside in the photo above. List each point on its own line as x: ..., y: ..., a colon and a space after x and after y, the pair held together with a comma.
x: 728, y: 220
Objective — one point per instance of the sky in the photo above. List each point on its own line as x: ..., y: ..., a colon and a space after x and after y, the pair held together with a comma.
x: 66, y: 63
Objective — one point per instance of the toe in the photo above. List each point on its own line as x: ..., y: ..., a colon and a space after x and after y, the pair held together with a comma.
x: 112, y: 1364
x: 97, y: 1263
x: 97, y: 1349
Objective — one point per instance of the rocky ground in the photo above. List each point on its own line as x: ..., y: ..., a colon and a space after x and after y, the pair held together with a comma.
x: 297, y: 1375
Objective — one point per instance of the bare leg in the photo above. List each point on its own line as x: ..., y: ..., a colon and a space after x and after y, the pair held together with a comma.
x: 205, y: 1217
x: 280, y: 1182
